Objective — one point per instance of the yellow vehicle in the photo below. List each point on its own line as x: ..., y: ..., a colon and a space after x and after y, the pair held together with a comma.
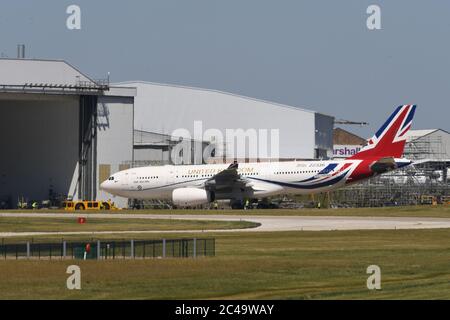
x: 89, y: 205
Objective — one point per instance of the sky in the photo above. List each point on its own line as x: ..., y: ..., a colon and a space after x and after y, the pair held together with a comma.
x: 313, y: 54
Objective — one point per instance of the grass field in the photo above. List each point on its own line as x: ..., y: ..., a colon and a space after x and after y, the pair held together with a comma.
x: 415, y: 264
x: 415, y: 211
x: 283, y: 265
x: 70, y: 224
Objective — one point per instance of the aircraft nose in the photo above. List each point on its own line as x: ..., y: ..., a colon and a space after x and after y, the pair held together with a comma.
x: 104, y: 185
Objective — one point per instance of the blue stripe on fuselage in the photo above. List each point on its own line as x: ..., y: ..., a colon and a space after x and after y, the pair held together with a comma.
x: 308, y: 187
x: 326, y: 170
x: 329, y: 168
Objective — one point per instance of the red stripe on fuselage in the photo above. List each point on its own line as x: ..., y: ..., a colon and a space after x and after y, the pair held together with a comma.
x: 362, y: 171
x: 343, y: 168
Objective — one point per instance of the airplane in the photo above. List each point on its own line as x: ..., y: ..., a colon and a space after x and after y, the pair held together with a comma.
x: 191, y: 185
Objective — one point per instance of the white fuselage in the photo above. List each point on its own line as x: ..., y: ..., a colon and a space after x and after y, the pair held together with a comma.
x: 265, y: 179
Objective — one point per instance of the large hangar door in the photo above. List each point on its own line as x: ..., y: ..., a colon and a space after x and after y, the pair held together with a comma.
x: 39, y: 143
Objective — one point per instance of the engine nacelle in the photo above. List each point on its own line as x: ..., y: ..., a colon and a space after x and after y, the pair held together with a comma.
x: 185, y: 197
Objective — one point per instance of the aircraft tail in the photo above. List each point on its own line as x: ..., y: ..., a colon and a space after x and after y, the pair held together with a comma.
x: 390, y: 139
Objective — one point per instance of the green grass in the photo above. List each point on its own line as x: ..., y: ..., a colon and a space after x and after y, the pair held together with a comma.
x: 413, y: 211
x: 415, y: 264
x: 99, y: 224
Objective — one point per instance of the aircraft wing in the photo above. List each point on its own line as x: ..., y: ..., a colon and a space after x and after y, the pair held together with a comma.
x: 228, y: 179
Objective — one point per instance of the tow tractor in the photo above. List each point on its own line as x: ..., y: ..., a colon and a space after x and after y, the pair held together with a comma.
x: 72, y: 205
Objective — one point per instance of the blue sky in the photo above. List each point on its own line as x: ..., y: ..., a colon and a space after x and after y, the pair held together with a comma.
x: 314, y: 54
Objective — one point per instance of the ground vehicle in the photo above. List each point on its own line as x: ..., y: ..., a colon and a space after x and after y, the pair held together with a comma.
x: 70, y: 205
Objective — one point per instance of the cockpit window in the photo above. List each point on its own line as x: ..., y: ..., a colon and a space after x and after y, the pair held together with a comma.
x: 111, y: 178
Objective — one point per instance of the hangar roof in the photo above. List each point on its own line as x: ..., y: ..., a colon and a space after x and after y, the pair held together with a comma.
x: 412, y: 135
x: 52, y: 77
x: 25, y: 71
x: 46, y: 76
x: 134, y: 83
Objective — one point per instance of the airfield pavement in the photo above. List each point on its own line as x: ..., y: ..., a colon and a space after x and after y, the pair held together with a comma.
x: 266, y: 223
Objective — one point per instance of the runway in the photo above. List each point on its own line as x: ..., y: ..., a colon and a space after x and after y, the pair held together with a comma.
x: 267, y: 223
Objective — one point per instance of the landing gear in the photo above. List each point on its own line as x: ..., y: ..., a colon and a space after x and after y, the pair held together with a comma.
x: 237, y: 204
x: 243, y: 204
x: 267, y: 205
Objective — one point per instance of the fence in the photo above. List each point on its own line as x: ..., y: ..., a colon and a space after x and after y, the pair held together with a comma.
x: 104, y: 250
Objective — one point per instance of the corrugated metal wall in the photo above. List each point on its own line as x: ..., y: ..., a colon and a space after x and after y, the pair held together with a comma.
x: 114, y: 139
x: 164, y: 109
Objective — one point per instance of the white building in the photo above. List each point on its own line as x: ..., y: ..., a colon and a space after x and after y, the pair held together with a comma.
x: 165, y: 109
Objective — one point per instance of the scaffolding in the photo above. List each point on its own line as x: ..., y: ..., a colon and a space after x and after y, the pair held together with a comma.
x: 409, y: 186
x: 378, y: 193
x: 426, y: 181
x: 428, y: 147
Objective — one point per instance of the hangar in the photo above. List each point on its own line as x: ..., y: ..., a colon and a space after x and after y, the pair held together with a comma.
x: 49, y: 138
x: 161, y: 110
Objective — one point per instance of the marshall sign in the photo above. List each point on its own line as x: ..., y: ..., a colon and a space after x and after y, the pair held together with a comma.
x: 344, y: 151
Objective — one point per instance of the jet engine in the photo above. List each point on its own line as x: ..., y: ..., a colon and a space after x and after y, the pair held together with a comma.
x: 185, y: 197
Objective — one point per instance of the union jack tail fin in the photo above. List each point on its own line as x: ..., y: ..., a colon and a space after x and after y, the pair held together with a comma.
x: 390, y: 139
